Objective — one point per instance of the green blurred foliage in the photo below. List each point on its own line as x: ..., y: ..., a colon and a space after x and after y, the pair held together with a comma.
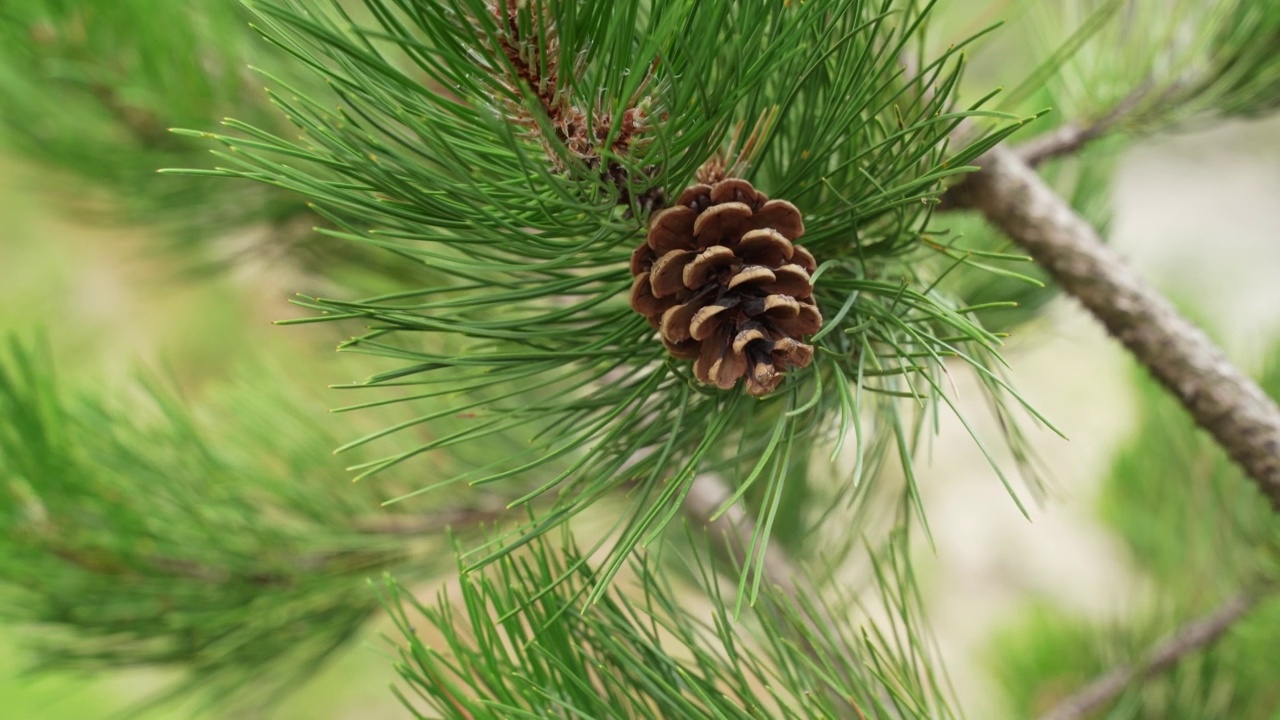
x: 105, y: 308
x: 1187, y: 514
x: 1201, y: 531
x: 90, y: 93
x: 92, y: 87
x: 141, y: 531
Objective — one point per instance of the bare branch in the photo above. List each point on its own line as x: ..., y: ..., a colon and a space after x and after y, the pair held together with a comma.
x: 1190, y: 638
x: 1222, y: 399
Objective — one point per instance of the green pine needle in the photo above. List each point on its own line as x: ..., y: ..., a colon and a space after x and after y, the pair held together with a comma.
x: 425, y: 146
x: 524, y: 640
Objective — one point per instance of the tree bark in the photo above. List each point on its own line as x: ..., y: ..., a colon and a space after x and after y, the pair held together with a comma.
x: 1221, y: 399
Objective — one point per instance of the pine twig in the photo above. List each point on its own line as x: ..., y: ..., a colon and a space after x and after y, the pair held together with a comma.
x: 1190, y: 638
x: 731, y: 532
x: 1221, y: 399
x: 537, y: 70
x: 1074, y: 136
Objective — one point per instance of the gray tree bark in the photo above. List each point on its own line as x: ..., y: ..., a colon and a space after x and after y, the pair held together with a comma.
x: 1222, y: 400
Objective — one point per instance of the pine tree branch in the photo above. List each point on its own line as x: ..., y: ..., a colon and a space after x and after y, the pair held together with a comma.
x: 1074, y: 136
x: 1221, y: 399
x: 1192, y: 637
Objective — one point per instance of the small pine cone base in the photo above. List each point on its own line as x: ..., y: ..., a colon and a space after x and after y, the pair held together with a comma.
x: 720, y: 277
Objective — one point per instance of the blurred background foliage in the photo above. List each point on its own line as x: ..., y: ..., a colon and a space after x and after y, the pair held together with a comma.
x: 106, y: 307
x: 1199, y: 533
x: 96, y: 280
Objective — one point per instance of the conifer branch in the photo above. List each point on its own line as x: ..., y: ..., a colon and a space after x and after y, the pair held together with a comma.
x: 1222, y: 399
x: 1190, y: 638
x: 1074, y: 136
x: 731, y: 531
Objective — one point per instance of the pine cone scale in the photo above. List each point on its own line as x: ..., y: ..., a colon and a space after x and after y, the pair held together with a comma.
x: 746, y: 337
x: 714, y: 259
x: 677, y: 323
x: 695, y: 197
x: 752, y: 274
x: 644, y: 301
x: 721, y: 222
x: 667, y: 274
x: 733, y: 190
x: 782, y: 217
x: 765, y: 246
x: 791, y: 280
x: 641, y: 259
x: 805, y: 260
x: 709, y: 350
x: 721, y: 279
x: 688, y: 350
x: 704, y: 322
x: 806, y: 323
x: 671, y: 229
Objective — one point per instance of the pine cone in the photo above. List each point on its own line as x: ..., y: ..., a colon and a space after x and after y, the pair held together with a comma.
x: 720, y: 279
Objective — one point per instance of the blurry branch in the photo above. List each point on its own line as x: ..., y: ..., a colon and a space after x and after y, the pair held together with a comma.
x: 146, y: 126
x: 1222, y: 399
x: 1190, y: 638
x: 1222, y: 65
x: 92, y: 88
x: 1074, y: 136
x: 733, y: 531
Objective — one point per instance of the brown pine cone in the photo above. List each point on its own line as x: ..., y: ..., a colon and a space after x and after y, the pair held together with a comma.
x: 721, y: 280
